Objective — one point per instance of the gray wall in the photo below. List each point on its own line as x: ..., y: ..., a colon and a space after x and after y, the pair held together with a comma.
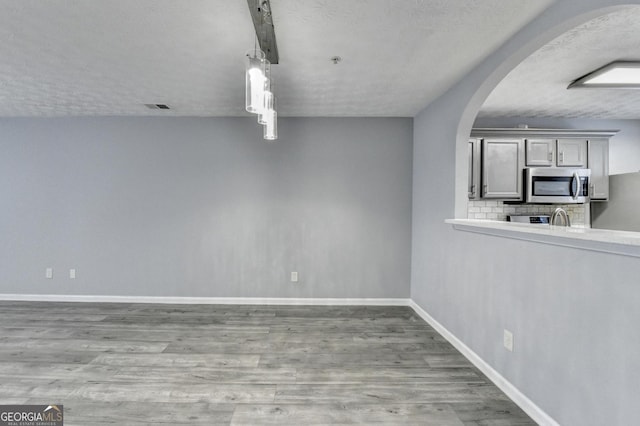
x: 205, y: 207
x: 622, y: 211
x: 624, y: 147
x: 574, y: 313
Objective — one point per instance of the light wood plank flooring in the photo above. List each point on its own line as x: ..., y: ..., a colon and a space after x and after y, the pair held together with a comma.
x: 221, y: 364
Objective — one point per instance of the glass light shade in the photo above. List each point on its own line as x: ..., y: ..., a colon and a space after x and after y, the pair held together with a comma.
x: 271, y: 126
x: 255, y: 81
x: 266, y: 88
x: 267, y: 105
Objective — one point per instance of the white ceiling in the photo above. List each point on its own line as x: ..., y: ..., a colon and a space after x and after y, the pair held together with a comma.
x: 109, y: 57
x: 538, y: 86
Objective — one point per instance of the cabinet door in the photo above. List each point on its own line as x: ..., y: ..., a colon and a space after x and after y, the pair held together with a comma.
x: 539, y: 152
x: 502, y: 164
x: 572, y: 152
x: 598, y: 160
x: 474, y: 169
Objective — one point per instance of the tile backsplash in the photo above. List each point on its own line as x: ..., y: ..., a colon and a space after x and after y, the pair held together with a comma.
x: 497, y: 210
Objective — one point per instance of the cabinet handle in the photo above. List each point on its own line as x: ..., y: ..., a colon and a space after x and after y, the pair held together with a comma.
x: 561, y: 156
x: 550, y: 156
x: 484, y: 189
x: 592, y: 190
x: 473, y: 190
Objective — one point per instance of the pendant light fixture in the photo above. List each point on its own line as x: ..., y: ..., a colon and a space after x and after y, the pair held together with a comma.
x: 259, y: 97
x: 267, y: 105
x: 255, y: 80
x: 270, y: 130
x: 266, y: 101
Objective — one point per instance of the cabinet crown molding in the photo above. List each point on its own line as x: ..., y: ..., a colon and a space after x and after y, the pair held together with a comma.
x: 531, y: 132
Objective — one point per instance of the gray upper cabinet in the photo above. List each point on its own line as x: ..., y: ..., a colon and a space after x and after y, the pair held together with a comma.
x: 498, y: 156
x: 571, y: 152
x: 540, y: 152
x: 474, y: 169
x: 566, y: 152
x: 502, y: 164
x: 598, y: 157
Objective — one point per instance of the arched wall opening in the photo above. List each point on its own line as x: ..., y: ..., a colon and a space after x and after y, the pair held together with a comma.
x: 476, y: 285
x: 476, y: 101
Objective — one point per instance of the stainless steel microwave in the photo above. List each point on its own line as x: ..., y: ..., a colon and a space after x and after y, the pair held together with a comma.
x: 556, y: 185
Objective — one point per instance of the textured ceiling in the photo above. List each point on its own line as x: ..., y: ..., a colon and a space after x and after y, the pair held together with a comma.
x: 538, y: 86
x: 109, y: 57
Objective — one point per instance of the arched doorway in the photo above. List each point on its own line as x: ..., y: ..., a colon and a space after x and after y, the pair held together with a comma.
x: 493, y: 79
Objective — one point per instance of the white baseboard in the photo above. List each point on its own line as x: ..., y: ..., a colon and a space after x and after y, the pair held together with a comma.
x: 206, y: 300
x: 528, y: 406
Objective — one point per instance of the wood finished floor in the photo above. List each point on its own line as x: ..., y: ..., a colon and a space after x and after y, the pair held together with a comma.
x: 221, y: 364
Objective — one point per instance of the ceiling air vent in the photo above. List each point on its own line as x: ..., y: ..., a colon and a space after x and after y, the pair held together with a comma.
x: 157, y: 106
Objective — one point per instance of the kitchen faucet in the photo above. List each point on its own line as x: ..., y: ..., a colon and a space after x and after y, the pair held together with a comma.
x: 560, y: 212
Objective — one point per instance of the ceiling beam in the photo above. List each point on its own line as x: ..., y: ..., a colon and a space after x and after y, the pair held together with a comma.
x: 263, y: 24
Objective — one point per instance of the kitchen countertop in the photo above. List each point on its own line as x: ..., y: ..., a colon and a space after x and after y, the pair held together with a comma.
x: 608, y: 241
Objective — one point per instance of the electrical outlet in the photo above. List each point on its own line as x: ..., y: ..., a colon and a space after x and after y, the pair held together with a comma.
x: 294, y: 277
x: 72, y: 274
x: 508, y: 340
x: 48, y: 273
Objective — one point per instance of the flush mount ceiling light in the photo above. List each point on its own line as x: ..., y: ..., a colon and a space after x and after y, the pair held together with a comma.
x: 616, y: 75
x: 259, y: 97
